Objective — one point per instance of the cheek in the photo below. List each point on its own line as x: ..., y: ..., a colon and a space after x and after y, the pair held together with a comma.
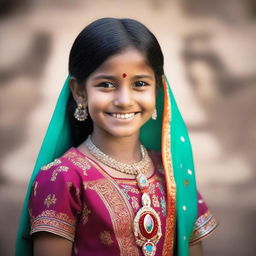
x: 96, y: 102
x: 148, y: 100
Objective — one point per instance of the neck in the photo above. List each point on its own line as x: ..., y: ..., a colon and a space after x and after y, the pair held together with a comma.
x: 123, y: 149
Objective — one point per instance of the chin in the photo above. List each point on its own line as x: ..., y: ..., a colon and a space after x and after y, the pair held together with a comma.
x: 124, y: 134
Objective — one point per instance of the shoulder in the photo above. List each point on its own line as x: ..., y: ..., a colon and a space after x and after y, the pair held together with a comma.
x: 71, y: 164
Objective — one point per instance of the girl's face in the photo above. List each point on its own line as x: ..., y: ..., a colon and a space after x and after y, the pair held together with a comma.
x: 121, y: 94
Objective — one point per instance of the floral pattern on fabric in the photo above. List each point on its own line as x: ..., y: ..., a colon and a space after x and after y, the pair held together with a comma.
x: 85, y: 214
x: 50, y: 165
x: 155, y: 201
x: 96, y: 211
x: 127, y: 189
x: 57, y: 171
x: 105, y: 238
x: 49, y: 200
x: 135, y: 203
x: 78, y: 161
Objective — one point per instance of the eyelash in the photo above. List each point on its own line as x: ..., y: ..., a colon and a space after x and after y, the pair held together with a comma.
x: 112, y: 85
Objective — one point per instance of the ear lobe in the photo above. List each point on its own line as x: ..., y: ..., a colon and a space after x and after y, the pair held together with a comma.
x: 78, y: 91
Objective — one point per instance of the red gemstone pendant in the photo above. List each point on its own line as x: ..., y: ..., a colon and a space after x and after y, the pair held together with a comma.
x: 147, y: 227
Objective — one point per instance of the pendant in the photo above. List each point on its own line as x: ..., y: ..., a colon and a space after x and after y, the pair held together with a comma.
x: 147, y: 227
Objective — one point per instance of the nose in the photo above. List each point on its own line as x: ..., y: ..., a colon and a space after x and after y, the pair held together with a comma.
x: 123, y: 97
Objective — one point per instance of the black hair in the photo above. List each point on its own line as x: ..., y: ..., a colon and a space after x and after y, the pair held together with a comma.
x: 100, y: 40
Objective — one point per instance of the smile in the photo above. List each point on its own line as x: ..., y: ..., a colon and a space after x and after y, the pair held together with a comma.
x: 122, y: 116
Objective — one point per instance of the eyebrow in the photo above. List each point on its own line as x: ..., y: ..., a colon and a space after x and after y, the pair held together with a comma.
x: 113, y: 78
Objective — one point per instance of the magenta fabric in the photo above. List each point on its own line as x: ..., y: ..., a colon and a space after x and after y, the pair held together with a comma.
x: 76, y: 198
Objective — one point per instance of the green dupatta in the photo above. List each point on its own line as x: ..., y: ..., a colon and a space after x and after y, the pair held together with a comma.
x: 167, y: 134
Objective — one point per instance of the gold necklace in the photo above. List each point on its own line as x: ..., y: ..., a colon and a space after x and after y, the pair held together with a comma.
x: 146, y: 224
x: 133, y: 169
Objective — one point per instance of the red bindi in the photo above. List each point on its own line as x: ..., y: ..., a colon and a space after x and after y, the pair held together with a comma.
x: 124, y: 75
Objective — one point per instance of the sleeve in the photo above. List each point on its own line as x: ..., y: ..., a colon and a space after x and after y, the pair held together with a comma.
x: 55, y: 202
x: 205, y: 223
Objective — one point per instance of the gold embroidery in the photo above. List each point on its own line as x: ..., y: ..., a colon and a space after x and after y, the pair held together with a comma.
x: 50, y: 165
x: 155, y: 201
x: 57, y: 171
x: 161, y: 188
x: 54, y: 222
x: 49, y: 200
x: 134, y: 190
x: 78, y: 161
x: 121, y: 216
x: 70, y: 155
x: 35, y: 187
x: 85, y: 214
x: 82, y: 164
x: 135, y: 203
x: 151, y: 188
x: 105, y: 238
x: 168, y: 247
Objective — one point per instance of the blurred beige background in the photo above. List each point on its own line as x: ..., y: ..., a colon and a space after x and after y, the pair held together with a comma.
x: 210, y: 54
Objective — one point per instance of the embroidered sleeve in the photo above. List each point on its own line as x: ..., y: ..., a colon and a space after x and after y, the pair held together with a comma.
x: 205, y: 223
x: 55, y: 203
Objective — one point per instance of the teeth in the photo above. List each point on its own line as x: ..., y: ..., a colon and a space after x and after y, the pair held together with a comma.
x: 123, y: 116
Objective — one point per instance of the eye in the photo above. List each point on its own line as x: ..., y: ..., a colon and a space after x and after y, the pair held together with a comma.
x: 106, y: 85
x: 140, y: 84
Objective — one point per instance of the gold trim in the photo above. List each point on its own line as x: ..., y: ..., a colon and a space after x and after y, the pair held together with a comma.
x: 119, y: 209
x: 168, y: 247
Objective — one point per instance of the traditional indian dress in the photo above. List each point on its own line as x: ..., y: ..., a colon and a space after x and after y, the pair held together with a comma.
x: 74, y: 197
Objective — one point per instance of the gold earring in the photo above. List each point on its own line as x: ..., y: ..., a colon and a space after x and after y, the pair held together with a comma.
x: 81, y: 113
x: 154, y: 114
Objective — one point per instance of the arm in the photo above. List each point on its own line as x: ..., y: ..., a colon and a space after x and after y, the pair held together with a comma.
x: 196, y: 249
x: 48, y: 244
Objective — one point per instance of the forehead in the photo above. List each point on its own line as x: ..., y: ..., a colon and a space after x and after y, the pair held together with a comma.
x: 129, y: 61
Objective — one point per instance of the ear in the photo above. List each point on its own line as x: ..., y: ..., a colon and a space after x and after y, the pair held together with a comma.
x: 78, y: 91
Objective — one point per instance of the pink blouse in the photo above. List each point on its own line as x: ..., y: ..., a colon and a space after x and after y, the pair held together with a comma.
x: 74, y: 197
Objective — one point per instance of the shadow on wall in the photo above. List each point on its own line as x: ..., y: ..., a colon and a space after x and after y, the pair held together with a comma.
x: 229, y: 102
x: 9, y: 7
x: 230, y: 11
x: 228, y: 99
x: 19, y: 90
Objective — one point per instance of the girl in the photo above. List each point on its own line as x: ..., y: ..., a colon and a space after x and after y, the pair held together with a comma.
x: 122, y: 182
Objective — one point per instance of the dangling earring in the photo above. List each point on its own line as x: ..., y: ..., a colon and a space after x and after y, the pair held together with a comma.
x: 81, y: 113
x: 154, y: 114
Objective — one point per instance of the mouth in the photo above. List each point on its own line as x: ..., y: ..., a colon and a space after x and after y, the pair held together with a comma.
x: 123, y: 116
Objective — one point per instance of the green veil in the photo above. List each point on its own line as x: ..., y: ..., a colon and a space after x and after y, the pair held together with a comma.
x: 167, y: 134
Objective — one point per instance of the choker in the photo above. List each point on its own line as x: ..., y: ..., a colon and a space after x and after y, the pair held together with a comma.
x: 146, y: 224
